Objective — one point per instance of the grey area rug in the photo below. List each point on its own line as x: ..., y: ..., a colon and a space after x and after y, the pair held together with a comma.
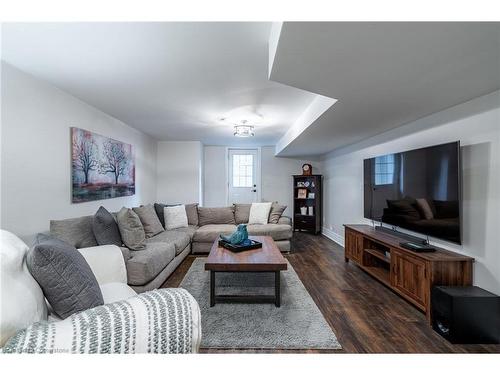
x: 297, y: 324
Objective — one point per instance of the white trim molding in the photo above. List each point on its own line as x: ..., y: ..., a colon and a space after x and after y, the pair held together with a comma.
x: 337, y: 238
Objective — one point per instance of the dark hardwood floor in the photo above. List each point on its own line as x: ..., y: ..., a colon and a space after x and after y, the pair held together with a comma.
x: 366, y: 316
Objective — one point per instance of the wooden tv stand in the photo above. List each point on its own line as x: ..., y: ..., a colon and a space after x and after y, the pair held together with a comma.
x: 409, y: 274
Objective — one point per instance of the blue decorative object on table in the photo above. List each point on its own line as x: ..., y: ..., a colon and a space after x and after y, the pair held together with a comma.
x: 239, y: 241
x: 238, y: 237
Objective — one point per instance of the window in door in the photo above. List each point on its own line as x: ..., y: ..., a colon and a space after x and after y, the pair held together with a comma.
x: 243, y: 176
x: 243, y: 166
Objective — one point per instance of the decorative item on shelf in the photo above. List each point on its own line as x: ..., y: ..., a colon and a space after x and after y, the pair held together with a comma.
x: 313, y: 185
x: 303, y: 210
x: 302, y: 193
x: 306, y: 184
x: 310, y: 211
x: 310, y: 195
x: 306, y: 169
x: 300, y: 184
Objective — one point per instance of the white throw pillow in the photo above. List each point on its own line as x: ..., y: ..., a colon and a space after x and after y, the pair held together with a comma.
x: 259, y: 213
x: 175, y: 217
x: 21, y: 299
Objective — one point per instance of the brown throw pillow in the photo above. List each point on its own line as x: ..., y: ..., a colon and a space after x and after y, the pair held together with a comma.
x: 215, y: 215
x: 192, y: 213
x: 241, y: 212
x: 276, y: 212
x: 149, y: 219
x: 131, y: 229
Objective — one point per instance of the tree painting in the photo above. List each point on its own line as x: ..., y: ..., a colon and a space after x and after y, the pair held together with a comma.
x: 102, y: 168
x: 115, y: 159
x: 85, y: 155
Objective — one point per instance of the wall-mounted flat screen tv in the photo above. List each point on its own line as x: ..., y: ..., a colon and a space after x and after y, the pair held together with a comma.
x: 418, y: 190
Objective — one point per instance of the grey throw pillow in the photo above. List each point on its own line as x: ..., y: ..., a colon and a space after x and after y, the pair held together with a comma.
x: 149, y: 219
x: 64, y: 276
x: 242, y: 212
x: 215, y: 215
x: 276, y: 212
x: 192, y: 213
x: 159, y: 212
x: 105, y: 229
x: 131, y: 229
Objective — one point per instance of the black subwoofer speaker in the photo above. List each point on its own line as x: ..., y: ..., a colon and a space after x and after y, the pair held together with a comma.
x: 466, y: 315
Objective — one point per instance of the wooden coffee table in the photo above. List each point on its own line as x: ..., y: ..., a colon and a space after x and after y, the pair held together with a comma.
x: 266, y: 259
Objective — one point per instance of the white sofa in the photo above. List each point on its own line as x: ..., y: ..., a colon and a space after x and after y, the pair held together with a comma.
x: 127, y: 322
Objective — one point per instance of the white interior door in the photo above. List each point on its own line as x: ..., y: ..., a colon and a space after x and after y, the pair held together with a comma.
x: 243, y: 176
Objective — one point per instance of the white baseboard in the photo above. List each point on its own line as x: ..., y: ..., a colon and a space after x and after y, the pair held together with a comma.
x: 333, y: 236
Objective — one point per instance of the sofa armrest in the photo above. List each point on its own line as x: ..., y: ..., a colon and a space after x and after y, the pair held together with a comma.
x: 285, y: 220
x: 106, y: 263
x: 141, y: 324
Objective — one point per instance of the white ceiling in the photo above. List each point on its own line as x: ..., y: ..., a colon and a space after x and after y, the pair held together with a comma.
x: 174, y: 81
x: 383, y: 74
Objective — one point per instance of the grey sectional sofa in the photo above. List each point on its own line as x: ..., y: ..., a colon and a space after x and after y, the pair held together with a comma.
x: 148, y: 269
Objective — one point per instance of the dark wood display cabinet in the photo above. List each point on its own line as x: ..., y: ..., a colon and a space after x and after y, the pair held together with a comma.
x: 307, y: 203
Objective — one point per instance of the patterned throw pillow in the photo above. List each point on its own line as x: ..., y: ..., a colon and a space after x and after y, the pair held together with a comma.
x: 131, y: 229
x: 64, y: 275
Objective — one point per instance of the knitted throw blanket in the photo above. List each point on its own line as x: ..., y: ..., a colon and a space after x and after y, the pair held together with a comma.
x: 159, y: 321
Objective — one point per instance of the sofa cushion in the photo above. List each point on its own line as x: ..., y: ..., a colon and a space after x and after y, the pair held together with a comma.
x: 276, y: 212
x: 209, y: 233
x: 105, y: 229
x: 64, y: 276
x: 143, y: 266
x: 150, y: 222
x: 276, y: 231
x: 178, y: 238
x: 131, y: 229
x: 242, y: 212
x: 215, y: 215
x: 77, y: 231
x: 189, y: 230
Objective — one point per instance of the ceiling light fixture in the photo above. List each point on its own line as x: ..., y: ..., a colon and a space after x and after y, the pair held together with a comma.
x: 243, y: 130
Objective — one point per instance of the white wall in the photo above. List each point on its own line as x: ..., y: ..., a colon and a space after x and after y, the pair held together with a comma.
x: 179, y: 172
x: 477, y: 125
x: 35, y: 154
x: 214, y: 177
x: 276, y: 176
